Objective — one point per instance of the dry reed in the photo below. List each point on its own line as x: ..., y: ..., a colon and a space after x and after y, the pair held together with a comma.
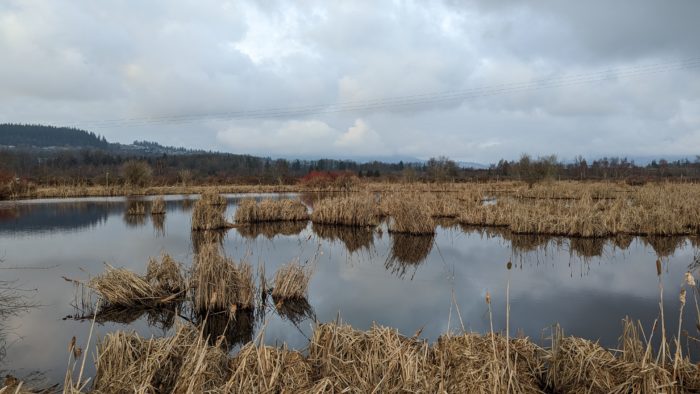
x: 410, y: 215
x: 207, y: 216
x: 291, y: 282
x: 268, y: 210
x: 121, y: 287
x: 355, y: 210
x: 219, y: 283
x: 266, y: 369
x: 158, y: 206
x: 212, y: 197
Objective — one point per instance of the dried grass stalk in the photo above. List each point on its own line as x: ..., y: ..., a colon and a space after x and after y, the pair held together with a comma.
x: 158, y: 206
x: 410, y: 215
x: 291, y: 282
x: 266, y: 369
x: 207, y: 216
x: 268, y: 210
x: 355, y: 210
x: 219, y: 283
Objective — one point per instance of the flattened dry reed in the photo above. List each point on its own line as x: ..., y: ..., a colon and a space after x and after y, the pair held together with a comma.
x: 354, y: 210
x: 266, y: 369
x: 158, y: 206
x: 472, y: 363
x: 291, y: 282
x: 577, y: 365
x: 183, y: 363
x: 268, y: 210
x: 219, y: 283
x: 378, y: 360
x: 121, y: 287
x: 208, y: 217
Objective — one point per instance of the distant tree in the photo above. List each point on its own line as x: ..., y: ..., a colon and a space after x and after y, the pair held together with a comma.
x: 441, y: 169
x: 137, y: 173
x: 184, y: 176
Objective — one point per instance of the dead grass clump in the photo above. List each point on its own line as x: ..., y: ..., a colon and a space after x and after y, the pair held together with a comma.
x: 121, y: 287
x: 578, y: 365
x: 270, y: 230
x: 208, y: 217
x: 346, y: 211
x: 472, y: 363
x: 354, y: 238
x: 212, y: 197
x: 266, y: 369
x: 410, y: 215
x: 219, y: 283
x: 378, y: 360
x: 158, y: 206
x: 295, y: 310
x: 496, y: 215
x: 165, y: 275
x: 183, y: 363
x: 587, y: 248
x: 268, y: 210
x: 136, y: 208
x: 291, y: 282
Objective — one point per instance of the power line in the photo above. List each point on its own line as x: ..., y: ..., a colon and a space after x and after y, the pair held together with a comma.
x: 399, y: 102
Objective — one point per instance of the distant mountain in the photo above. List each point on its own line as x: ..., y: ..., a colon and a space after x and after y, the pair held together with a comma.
x: 393, y: 159
x: 38, y: 136
x: 472, y: 165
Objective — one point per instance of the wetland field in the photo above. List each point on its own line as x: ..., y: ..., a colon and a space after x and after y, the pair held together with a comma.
x: 498, y: 287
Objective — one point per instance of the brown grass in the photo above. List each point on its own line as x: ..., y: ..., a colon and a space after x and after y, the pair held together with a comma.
x: 121, y: 287
x: 354, y: 210
x: 207, y: 216
x: 165, y: 275
x: 410, y: 215
x: 291, y: 282
x: 136, y: 208
x: 266, y: 369
x: 268, y: 210
x: 212, y: 197
x: 219, y: 283
x: 158, y: 206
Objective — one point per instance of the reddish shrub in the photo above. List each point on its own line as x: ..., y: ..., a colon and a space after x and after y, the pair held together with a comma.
x: 329, y: 179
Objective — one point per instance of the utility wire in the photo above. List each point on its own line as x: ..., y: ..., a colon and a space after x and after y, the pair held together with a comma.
x: 407, y: 101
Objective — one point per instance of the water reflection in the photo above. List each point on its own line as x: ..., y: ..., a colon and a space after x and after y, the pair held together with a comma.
x: 405, y: 282
x: 353, y: 238
x: 271, y: 230
x: 202, y: 238
x: 158, y: 225
x: 407, y: 252
x: 45, y: 217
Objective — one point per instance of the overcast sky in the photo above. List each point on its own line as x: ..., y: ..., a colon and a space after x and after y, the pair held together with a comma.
x: 82, y: 62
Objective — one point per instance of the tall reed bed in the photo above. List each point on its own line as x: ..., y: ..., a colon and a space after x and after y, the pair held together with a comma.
x: 268, y: 210
x: 353, y: 210
x: 291, y: 282
x: 207, y: 216
x: 219, y: 283
x: 410, y: 215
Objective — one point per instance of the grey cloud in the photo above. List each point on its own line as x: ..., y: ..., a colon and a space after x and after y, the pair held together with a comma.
x: 80, y: 62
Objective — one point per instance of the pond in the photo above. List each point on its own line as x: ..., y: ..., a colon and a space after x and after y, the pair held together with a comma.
x: 426, y: 284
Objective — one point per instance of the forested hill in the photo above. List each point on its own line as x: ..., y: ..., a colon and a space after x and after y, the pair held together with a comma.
x: 22, y: 135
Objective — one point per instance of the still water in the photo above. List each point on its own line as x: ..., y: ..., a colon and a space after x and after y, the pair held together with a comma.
x: 433, y: 284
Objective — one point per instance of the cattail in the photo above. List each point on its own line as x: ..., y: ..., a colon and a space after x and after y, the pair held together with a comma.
x: 71, y: 345
x: 681, y: 297
x: 658, y: 267
x: 509, y: 265
x: 488, y: 298
x: 689, y: 279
